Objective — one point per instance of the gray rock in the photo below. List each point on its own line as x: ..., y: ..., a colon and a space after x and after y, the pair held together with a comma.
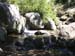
x: 21, y: 25
x: 34, y: 20
x: 3, y: 34
x: 4, y: 14
x: 67, y: 31
x: 63, y: 18
x: 50, y: 24
x: 1, y: 50
x: 11, y: 18
x: 70, y: 11
x: 18, y: 21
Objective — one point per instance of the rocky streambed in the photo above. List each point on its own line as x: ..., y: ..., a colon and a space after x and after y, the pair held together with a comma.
x: 28, y: 36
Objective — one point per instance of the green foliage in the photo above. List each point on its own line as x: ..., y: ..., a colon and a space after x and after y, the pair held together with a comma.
x: 42, y: 6
x: 12, y: 1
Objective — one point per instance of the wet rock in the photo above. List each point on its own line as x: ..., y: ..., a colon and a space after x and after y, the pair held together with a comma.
x: 71, y: 44
x: 29, y: 43
x: 11, y: 18
x: 42, y: 32
x: 1, y: 50
x: 12, y: 13
x: 48, y: 42
x: 3, y: 34
x: 21, y: 25
x: 14, y: 10
x: 38, y: 43
x: 50, y: 25
x: 34, y: 20
x: 3, y: 15
x: 39, y: 33
x: 17, y: 21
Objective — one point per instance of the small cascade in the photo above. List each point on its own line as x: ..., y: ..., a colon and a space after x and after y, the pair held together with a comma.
x: 29, y: 32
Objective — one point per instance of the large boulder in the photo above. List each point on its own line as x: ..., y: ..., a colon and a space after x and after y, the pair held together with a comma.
x: 11, y: 18
x: 67, y: 31
x: 18, y: 21
x: 34, y: 20
x: 70, y: 11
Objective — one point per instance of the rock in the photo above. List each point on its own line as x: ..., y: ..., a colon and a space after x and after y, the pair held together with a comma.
x: 3, y: 34
x: 11, y: 18
x: 60, y: 13
x: 39, y: 33
x: 38, y: 43
x: 44, y: 32
x: 1, y: 50
x: 63, y: 18
x: 14, y: 10
x: 11, y: 11
x: 67, y: 16
x: 21, y: 25
x: 3, y: 14
x: 38, y: 53
x: 67, y: 31
x: 34, y: 20
x: 18, y: 21
x: 50, y: 25
x: 29, y: 43
x: 70, y: 11
x: 67, y: 19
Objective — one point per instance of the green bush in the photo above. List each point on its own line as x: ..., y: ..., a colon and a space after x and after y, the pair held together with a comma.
x: 42, y: 6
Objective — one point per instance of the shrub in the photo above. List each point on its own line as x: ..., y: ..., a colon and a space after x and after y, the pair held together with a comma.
x: 42, y: 6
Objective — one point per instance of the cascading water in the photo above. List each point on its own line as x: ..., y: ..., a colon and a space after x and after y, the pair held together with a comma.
x: 27, y: 39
